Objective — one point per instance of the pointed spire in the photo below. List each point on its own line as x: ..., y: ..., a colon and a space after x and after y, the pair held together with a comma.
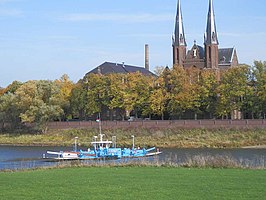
x: 179, y: 35
x: 211, y: 33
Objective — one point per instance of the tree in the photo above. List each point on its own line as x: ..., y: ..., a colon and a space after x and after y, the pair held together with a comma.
x: 96, y: 93
x: 137, y: 92
x: 37, y: 102
x: 259, y: 80
x: 159, y: 98
x: 12, y: 87
x: 184, y: 91
x: 78, y: 100
x: 208, y: 83
x: 159, y: 70
x: 9, y: 112
x: 65, y: 86
x: 232, y: 91
x: 116, y: 92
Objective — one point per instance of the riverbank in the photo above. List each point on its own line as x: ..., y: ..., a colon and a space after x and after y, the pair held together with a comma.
x: 133, y: 183
x: 164, y: 138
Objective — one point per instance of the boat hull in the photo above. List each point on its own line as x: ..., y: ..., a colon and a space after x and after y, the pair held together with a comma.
x: 110, y: 153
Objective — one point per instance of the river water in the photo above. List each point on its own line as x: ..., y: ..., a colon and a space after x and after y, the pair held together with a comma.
x: 21, y: 157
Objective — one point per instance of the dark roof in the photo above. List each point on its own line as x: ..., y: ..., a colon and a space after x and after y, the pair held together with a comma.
x: 200, y: 49
x: 109, y: 68
x: 226, y: 55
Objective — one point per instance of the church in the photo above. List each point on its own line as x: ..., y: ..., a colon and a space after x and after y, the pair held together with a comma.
x: 208, y: 57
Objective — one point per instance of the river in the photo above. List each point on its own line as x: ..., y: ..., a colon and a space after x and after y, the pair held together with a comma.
x: 22, y: 157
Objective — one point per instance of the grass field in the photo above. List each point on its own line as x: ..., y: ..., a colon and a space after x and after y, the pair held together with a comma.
x: 187, y: 138
x: 133, y: 183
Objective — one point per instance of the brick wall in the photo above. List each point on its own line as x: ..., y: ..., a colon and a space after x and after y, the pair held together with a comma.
x: 162, y: 124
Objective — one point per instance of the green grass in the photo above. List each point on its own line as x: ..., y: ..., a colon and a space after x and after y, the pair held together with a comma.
x: 133, y: 183
x: 181, y: 138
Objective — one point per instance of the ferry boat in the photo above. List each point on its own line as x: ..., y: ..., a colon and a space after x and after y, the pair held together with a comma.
x: 103, y: 149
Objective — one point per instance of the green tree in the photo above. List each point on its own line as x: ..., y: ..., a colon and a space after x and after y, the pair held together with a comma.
x: 116, y: 92
x: 78, y: 100
x: 233, y: 90
x: 208, y: 83
x: 259, y: 85
x: 37, y: 102
x: 8, y: 110
x: 96, y: 93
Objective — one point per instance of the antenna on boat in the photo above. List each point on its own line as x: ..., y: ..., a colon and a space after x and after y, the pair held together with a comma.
x: 114, y: 141
x: 76, y: 138
x: 100, y: 123
x: 133, y: 146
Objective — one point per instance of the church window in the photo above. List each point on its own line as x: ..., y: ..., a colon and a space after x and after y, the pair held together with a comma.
x: 224, y: 59
x: 213, y: 37
x: 195, y: 53
x: 210, y: 52
x: 181, y: 38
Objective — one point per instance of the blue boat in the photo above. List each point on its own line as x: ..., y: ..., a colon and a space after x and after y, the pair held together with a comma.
x: 103, y: 149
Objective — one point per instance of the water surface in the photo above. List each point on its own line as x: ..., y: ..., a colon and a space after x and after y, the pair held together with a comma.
x: 22, y: 157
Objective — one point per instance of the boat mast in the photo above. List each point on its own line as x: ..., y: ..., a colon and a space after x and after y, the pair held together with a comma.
x: 133, y: 145
x: 100, y: 125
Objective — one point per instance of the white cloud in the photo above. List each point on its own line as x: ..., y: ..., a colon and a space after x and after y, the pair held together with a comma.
x: 128, y: 18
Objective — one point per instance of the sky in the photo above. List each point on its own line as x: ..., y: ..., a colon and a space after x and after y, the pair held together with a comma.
x: 44, y: 39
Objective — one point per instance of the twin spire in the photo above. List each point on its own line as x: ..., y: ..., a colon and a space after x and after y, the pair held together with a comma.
x: 210, y: 36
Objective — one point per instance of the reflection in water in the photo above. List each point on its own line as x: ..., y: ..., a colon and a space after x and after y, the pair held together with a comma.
x: 15, y: 157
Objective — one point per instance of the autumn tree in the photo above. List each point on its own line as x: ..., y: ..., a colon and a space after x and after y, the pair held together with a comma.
x: 8, y: 110
x: 259, y: 87
x: 65, y: 86
x: 116, y: 92
x: 96, y: 93
x: 78, y: 100
x: 37, y: 102
x: 208, y: 82
x: 232, y: 91
x: 138, y: 87
x: 159, y: 97
x: 184, y: 93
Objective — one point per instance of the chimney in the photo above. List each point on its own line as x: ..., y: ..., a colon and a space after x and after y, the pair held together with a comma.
x: 147, y: 65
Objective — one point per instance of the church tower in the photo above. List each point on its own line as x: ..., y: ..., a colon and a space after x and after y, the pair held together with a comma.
x: 211, y: 40
x: 179, y: 41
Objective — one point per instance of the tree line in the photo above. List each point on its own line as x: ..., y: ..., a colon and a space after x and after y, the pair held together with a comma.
x: 173, y: 94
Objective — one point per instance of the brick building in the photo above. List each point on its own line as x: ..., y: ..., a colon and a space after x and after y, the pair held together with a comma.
x: 209, y: 56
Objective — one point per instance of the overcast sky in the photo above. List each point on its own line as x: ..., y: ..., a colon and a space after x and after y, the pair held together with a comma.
x: 44, y: 39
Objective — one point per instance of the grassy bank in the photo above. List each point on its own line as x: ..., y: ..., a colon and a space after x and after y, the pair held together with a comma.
x: 192, y: 138
x: 133, y: 183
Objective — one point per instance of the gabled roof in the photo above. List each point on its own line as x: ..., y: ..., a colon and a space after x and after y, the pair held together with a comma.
x: 199, y: 48
x: 109, y: 68
x: 226, y: 55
